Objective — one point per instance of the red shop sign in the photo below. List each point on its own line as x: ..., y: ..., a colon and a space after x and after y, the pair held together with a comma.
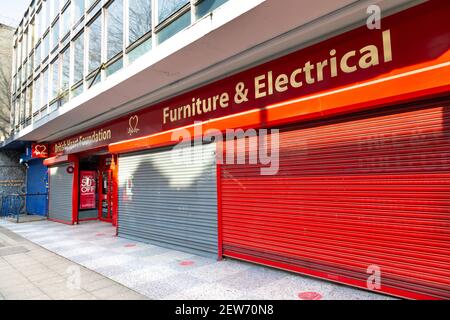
x: 87, y: 189
x: 39, y: 150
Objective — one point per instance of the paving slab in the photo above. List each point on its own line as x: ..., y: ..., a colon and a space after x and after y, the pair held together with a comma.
x: 30, y: 272
x: 160, y: 273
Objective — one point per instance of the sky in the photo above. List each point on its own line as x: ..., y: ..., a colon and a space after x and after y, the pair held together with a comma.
x: 12, y: 11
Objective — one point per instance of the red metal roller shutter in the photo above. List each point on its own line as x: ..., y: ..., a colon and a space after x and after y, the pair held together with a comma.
x: 360, y: 191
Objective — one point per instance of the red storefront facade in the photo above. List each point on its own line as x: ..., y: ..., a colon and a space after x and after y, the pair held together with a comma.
x: 363, y: 177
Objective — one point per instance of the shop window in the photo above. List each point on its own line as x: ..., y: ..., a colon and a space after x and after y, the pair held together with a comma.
x: 139, y: 18
x: 140, y: 50
x: 174, y: 27
x: 78, y: 66
x: 114, y: 29
x: 55, y: 34
x: 94, y: 44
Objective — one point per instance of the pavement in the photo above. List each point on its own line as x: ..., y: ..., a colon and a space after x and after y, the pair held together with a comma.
x: 30, y: 272
x: 156, y: 272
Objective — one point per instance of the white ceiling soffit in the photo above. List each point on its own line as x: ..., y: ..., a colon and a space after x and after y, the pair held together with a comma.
x: 238, y: 35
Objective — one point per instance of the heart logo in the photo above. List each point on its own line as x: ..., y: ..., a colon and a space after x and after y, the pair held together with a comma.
x: 40, y: 149
x: 133, y: 122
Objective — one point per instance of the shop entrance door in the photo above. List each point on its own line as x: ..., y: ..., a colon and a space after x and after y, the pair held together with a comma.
x: 105, y: 208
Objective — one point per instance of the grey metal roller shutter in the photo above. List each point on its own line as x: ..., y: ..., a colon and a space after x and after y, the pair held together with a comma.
x: 60, y: 193
x: 168, y: 200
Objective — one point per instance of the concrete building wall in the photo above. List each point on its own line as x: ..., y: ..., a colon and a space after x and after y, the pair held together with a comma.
x: 6, y: 38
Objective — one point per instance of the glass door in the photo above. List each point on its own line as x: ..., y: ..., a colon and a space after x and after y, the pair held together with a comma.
x: 106, y: 196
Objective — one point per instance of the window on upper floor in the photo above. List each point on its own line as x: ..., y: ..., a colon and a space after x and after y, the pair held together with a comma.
x: 65, y: 69
x: 30, y: 38
x: 168, y: 7
x: 65, y: 22
x: 37, y: 95
x: 55, y: 34
x: 204, y: 7
x: 43, y: 16
x: 37, y: 56
x: 29, y: 101
x: 114, y: 29
x: 14, y: 58
x: 139, y: 19
x: 54, y: 84
x: 89, y: 3
x: 173, y: 16
x: 46, y: 46
x: 56, y: 6
x: 45, y: 92
x: 23, y: 106
x: 14, y: 84
x: 30, y: 65
x: 37, y: 25
x: 17, y: 112
x: 78, y: 58
x: 78, y: 10
x: 18, y: 56
x: 25, y: 71
x: 54, y: 79
x: 94, y: 44
x: 25, y: 46
x: 19, y: 79
x: 48, y: 13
